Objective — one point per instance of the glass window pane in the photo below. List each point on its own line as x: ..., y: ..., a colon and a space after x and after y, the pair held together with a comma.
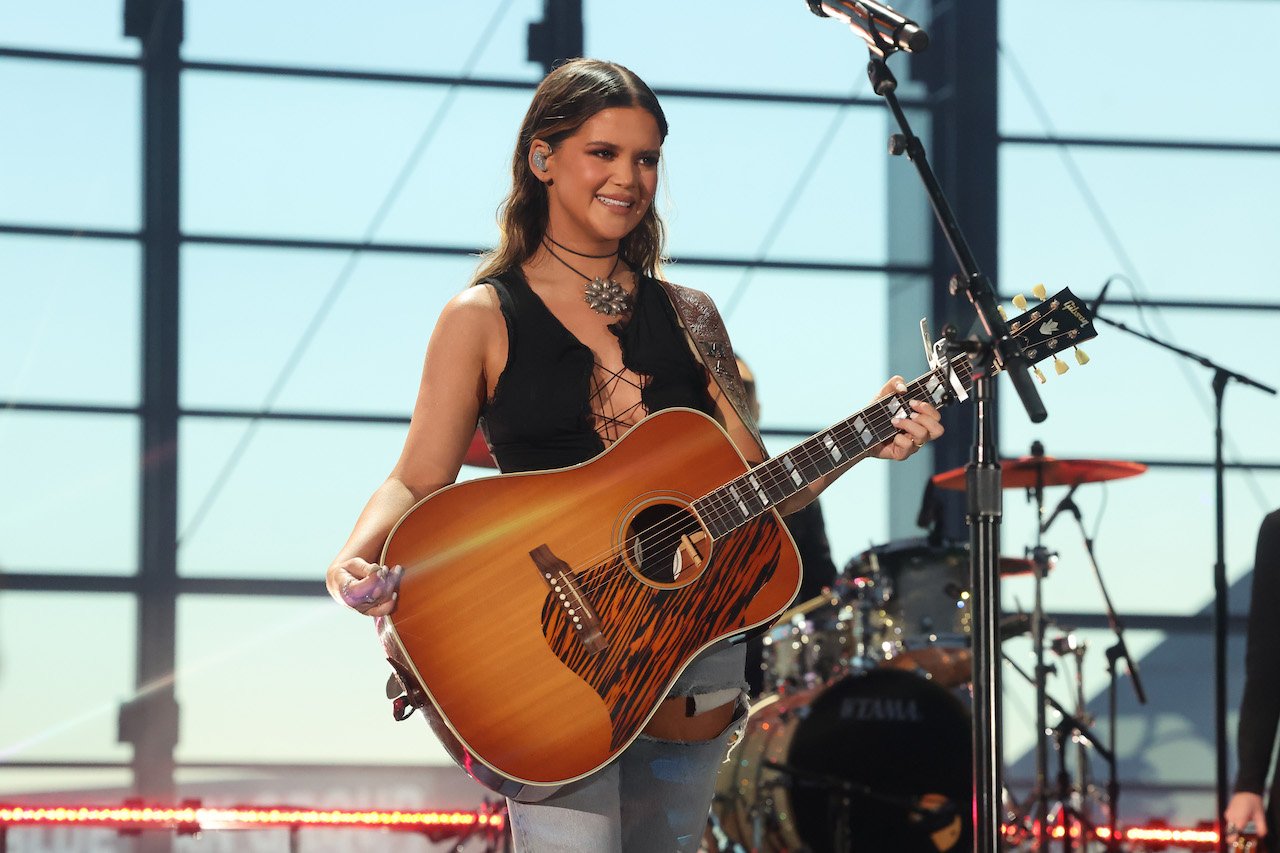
x: 319, y: 158
x: 287, y: 504
x: 67, y: 25
x: 1155, y: 540
x: 772, y: 47
x: 246, y: 310
x: 32, y: 786
x: 70, y: 155
x: 723, y: 199
x: 60, y: 696
x: 1134, y: 400
x: 268, y: 679
x: 1194, y: 225
x: 71, y: 329
x: 77, y: 508
x: 390, y: 35
x: 816, y: 344
x: 1158, y: 86
x: 815, y: 341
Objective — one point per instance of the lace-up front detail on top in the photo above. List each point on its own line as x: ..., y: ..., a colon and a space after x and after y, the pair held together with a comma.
x: 610, y: 421
x: 555, y: 405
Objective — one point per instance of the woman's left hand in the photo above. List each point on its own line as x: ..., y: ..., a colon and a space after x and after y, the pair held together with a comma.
x: 914, y: 431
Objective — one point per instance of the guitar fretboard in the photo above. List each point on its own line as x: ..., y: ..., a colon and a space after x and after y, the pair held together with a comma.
x: 782, y: 476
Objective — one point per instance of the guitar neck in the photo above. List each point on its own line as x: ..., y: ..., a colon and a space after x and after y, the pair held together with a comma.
x: 775, y: 480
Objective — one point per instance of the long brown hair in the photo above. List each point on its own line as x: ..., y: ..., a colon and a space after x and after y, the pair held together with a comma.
x: 564, y: 101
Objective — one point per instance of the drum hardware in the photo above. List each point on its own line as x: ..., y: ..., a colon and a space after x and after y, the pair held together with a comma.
x: 1078, y: 728
x: 882, y: 758
x: 914, y: 603
x: 1034, y: 473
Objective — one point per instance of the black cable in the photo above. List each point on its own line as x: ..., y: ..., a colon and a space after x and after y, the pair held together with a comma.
x: 343, y: 278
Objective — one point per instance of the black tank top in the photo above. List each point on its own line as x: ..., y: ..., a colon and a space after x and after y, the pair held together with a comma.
x: 541, y: 414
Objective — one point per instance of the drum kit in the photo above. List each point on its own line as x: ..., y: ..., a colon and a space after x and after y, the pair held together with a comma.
x: 861, y: 738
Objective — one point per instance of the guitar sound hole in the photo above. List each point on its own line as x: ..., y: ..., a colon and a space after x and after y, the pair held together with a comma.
x: 666, y: 544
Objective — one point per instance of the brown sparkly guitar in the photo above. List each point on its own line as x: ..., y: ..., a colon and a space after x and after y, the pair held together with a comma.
x: 544, y: 616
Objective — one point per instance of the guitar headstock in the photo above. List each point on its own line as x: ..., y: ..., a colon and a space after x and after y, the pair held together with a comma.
x: 1058, y: 323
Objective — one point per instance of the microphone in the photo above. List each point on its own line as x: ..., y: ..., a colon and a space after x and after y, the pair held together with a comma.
x: 1064, y: 504
x: 1102, y: 297
x: 880, y: 26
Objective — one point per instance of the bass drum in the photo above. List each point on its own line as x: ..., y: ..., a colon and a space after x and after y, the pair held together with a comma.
x: 897, y: 743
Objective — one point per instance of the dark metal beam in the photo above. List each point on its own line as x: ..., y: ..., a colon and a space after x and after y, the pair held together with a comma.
x: 800, y: 98
x: 1146, y: 144
x: 558, y: 36
x: 150, y: 720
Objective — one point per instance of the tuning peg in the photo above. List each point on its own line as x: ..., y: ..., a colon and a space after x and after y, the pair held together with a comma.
x: 1020, y: 302
x: 1060, y: 366
x: 1039, y: 375
x: 1003, y: 314
x: 1082, y: 357
x: 1039, y: 292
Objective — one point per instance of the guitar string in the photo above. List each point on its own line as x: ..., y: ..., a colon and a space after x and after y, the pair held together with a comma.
x: 807, y: 450
x: 811, y: 454
x: 804, y: 455
x: 808, y: 454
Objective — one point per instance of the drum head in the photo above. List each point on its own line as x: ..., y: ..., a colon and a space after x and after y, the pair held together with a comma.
x: 900, y: 741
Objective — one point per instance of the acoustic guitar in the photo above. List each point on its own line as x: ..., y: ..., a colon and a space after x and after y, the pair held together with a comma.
x: 544, y: 616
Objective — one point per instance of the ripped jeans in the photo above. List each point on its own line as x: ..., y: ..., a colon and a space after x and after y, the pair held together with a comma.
x: 655, y: 796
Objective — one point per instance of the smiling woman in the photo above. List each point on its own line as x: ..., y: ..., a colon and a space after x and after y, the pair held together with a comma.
x: 605, y: 722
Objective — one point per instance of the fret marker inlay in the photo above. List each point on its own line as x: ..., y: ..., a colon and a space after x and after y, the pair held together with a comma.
x: 832, y: 448
x: 864, y: 434
x: 764, y: 499
x: 935, y: 388
x: 733, y: 492
x: 791, y: 469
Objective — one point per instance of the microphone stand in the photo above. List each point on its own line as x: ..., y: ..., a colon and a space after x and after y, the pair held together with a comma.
x: 1115, y: 654
x: 996, y: 348
x: 1221, y: 376
x: 1040, y: 562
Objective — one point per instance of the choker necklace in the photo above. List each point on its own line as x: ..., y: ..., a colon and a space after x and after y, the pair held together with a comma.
x: 603, y: 295
x: 560, y: 245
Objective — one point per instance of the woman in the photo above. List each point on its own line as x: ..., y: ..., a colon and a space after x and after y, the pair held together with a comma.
x: 564, y: 341
x: 1260, y: 705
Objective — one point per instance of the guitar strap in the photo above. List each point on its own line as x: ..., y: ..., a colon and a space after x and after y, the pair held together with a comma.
x: 710, y: 342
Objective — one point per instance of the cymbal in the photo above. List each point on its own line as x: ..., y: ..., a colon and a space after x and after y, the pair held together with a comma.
x: 1023, y: 472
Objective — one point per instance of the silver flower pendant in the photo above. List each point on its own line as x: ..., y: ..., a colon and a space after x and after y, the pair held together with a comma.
x: 606, y: 296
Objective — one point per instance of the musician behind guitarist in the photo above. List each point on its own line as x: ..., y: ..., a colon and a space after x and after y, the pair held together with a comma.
x: 1260, y: 705
x: 809, y: 530
x: 566, y: 338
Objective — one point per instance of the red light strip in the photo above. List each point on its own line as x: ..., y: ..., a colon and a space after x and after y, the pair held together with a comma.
x: 195, y: 817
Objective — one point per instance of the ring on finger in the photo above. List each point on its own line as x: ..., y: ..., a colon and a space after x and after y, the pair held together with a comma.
x: 918, y: 443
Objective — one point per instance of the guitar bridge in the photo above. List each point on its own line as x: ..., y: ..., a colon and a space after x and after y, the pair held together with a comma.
x: 560, y: 579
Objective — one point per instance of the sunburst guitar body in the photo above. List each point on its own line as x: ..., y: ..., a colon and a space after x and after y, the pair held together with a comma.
x: 544, y: 616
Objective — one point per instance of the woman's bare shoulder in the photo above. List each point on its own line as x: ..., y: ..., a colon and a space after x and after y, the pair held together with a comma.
x: 474, y: 310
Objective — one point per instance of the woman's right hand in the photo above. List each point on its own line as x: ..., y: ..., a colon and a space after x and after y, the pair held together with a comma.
x: 1245, y: 808
x: 368, y: 588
